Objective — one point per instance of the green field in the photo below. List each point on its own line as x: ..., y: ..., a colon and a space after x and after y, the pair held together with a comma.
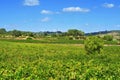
x: 47, y: 40
x: 36, y: 61
x: 56, y: 41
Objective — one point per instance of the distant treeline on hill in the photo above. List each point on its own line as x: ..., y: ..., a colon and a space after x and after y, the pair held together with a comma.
x: 17, y: 33
x: 100, y: 32
x: 73, y: 32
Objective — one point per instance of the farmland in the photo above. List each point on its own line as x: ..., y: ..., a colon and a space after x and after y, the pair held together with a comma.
x: 33, y: 61
x: 59, y: 40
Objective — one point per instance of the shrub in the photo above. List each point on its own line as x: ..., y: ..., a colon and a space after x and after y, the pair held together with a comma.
x: 108, y: 37
x: 71, y: 38
x: 93, y: 45
x: 28, y: 38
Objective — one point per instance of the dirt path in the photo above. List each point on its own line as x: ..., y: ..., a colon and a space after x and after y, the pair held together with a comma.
x: 110, y: 45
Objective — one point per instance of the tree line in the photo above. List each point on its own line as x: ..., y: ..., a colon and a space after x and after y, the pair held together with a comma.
x: 71, y: 34
x: 17, y: 33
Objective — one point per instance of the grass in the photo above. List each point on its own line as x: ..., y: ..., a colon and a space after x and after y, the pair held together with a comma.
x: 48, y: 40
x: 55, y: 41
x: 32, y: 61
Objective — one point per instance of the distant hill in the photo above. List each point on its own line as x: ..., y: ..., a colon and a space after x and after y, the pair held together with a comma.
x: 114, y: 33
x: 117, y: 31
x: 104, y: 32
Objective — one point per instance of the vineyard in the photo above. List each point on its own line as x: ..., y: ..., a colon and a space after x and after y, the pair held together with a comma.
x: 35, y: 61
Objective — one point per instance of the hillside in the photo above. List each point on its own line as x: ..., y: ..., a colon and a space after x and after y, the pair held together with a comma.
x: 103, y: 32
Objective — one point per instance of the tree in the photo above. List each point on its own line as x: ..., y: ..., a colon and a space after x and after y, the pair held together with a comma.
x: 75, y: 32
x: 54, y: 34
x: 93, y: 45
x: 30, y: 34
x: 2, y: 31
x: 16, y: 33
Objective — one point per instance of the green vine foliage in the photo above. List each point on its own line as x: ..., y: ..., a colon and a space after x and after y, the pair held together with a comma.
x: 93, y: 45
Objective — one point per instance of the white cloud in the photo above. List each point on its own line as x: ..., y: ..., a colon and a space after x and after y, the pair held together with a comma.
x: 49, y: 12
x: 75, y: 9
x: 46, y: 12
x: 31, y: 2
x: 108, y: 5
x: 46, y: 19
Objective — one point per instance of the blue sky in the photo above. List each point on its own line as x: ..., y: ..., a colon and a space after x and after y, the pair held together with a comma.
x: 53, y: 15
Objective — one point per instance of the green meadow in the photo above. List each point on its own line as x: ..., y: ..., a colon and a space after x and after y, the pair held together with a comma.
x: 48, y: 61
